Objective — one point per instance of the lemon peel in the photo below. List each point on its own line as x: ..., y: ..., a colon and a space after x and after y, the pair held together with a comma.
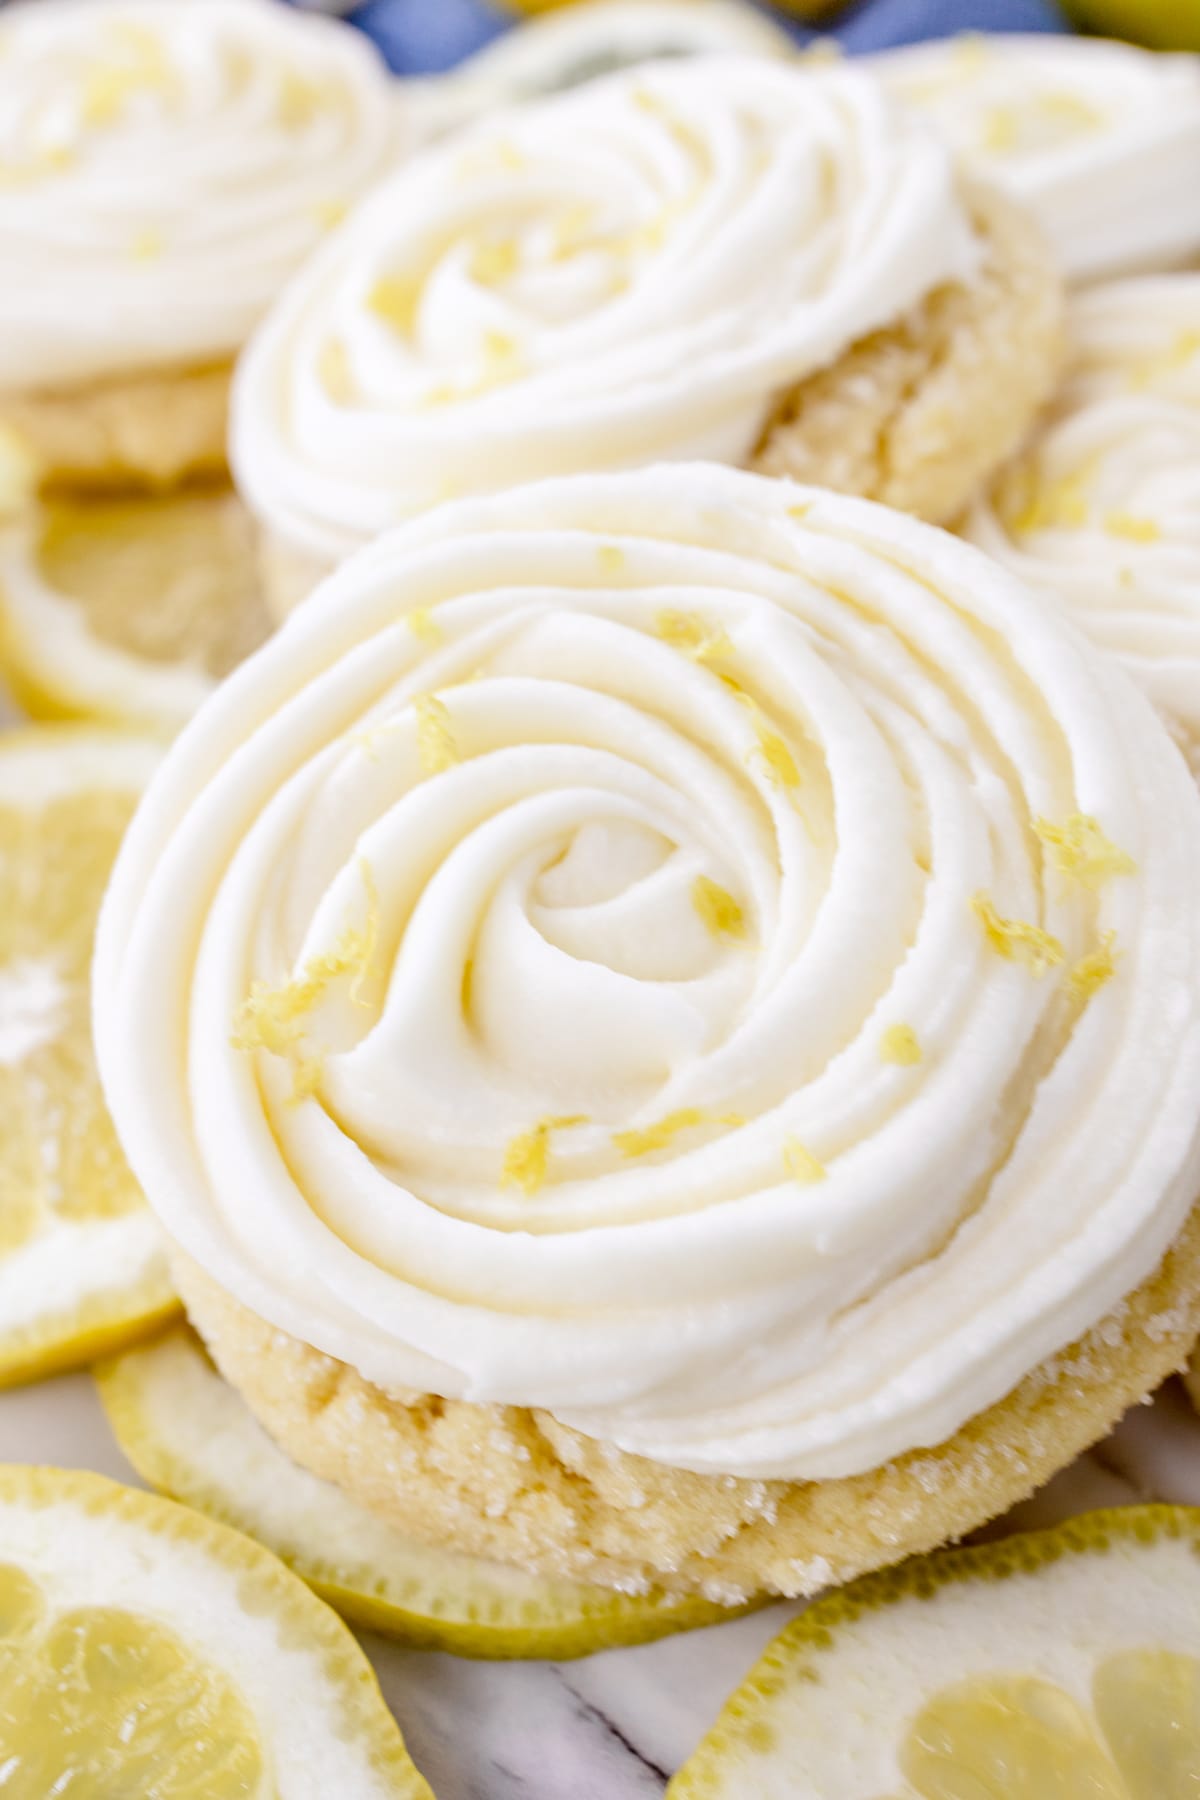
x: 436, y: 746
x: 396, y: 299
x: 273, y: 1018
x: 1092, y: 971
x: 801, y: 1164
x: 526, y: 1160
x: 718, y: 909
x: 493, y: 260
x: 610, y: 559
x: 1079, y: 848
x: 644, y: 1140
x: 423, y: 625
x: 694, y: 635
x: 300, y: 101
x: 1128, y: 525
x: 900, y: 1044
x: 1018, y: 941
x: 776, y: 758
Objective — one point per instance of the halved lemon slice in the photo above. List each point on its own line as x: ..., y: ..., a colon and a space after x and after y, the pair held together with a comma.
x: 82, y: 1268
x: 128, y: 610
x: 1062, y: 1665
x: 186, y: 1431
x: 146, y: 1651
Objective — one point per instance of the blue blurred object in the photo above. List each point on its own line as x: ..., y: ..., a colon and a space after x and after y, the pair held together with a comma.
x: 425, y: 37
x: 882, y: 24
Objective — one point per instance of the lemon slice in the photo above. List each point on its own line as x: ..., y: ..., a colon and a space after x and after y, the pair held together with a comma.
x: 146, y: 1651
x: 186, y: 1431
x: 82, y: 1268
x: 1062, y: 1665
x: 128, y: 610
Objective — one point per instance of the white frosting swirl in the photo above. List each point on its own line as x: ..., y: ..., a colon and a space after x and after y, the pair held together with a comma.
x: 626, y: 273
x: 1101, y: 140
x: 164, y: 170
x: 655, y: 841
x: 1103, y: 510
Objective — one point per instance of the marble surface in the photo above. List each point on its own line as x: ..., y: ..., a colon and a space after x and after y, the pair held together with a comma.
x: 614, y: 1726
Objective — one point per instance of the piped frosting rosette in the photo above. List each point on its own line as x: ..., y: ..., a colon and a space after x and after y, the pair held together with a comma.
x: 1103, y: 510
x: 708, y: 958
x: 164, y: 169
x: 631, y: 272
x: 1102, y: 140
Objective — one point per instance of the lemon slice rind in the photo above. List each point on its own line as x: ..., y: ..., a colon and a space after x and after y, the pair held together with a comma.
x: 189, y: 1434
x: 88, y: 1286
x: 91, y: 1545
x: 830, y: 1709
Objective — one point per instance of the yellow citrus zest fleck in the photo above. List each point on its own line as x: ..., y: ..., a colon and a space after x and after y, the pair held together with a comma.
x: 777, y: 759
x: 423, y: 625
x: 527, y: 1158
x: 649, y: 1138
x: 572, y: 228
x: 1093, y: 970
x: 273, y: 1018
x: 900, y: 1044
x: 694, y: 635
x: 396, y: 299
x: 147, y: 245
x: 493, y: 260
x: 1128, y: 525
x: 801, y: 1164
x: 800, y: 512
x: 1071, y: 110
x: 140, y: 67
x: 300, y: 101
x: 1178, y: 354
x: 718, y: 909
x: 1028, y: 506
x: 1079, y: 848
x: 1000, y: 132
x: 330, y: 213
x: 1018, y: 941
x: 611, y: 559
x: 436, y: 746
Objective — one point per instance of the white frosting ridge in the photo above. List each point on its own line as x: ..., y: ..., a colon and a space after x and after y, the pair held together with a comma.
x: 601, y: 956
x: 164, y: 170
x: 1103, y: 510
x: 1102, y: 140
x: 626, y: 273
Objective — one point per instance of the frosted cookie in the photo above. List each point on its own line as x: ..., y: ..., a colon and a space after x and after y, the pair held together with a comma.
x: 1103, y: 510
x: 128, y: 610
x: 163, y: 171
x: 593, y: 37
x: 662, y: 1013
x: 736, y: 259
x: 1100, y: 140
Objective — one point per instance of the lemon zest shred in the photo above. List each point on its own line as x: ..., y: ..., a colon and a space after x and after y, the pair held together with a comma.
x: 300, y: 101
x: 272, y: 1018
x: 493, y: 260
x: 423, y: 625
x: 333, y: 369
x: 330, y: 213
x: 718, y: 909
x: 396, y: 299
x: 436, y: 747
x: 1079, y: 848
x: 527, y: 1157
x: 644, y: 1141
x: 1018, y: 941
x: 1177, y: 356
x: 1029, y: 506
x: 611, y: 559
x: 1092, y: 971
x: 693, y: 635
x: 777, y: 759
x: 1000, y: 131
x: 147, y: 245
x: 1128, y: 525
x: 801, y: 1164
x: 900, y: 1044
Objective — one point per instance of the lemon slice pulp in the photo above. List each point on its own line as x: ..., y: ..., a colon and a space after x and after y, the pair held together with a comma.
x: 187, y: 1432
x: 145, y: 1651
x: 128, y: 610
x: 82, y: 1267
x: 1061, y: 1665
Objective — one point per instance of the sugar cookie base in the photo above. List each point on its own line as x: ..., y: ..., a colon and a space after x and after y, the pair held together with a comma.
x: 920, y: 414
x: 518, y: 1487
x: 137, y: 432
